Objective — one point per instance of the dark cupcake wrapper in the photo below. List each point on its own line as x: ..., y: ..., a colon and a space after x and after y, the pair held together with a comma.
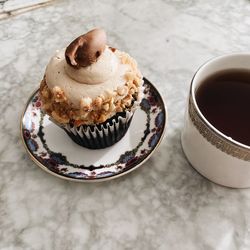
x: 101, y: 135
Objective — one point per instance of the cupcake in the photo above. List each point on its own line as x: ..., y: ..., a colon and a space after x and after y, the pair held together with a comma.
x: 91, y: 90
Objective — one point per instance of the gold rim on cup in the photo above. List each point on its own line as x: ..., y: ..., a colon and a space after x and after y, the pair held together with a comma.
x: 209, y: 132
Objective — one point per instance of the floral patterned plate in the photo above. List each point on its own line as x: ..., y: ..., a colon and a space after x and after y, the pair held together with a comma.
x: 52, y: 150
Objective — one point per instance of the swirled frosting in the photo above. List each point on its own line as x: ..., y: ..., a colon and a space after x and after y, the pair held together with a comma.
x: 99, y: 78
x: 99, y: 72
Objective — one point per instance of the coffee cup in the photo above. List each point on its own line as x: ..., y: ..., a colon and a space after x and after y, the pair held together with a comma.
x: 215, y: 155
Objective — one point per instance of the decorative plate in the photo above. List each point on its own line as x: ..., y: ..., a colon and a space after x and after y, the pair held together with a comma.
x: 53, y: 150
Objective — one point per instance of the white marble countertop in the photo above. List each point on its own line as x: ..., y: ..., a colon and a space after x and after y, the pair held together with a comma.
x: 10, y: 8
x: 165, y: 204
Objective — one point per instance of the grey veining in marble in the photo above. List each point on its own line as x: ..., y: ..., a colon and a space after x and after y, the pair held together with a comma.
x: 10, y: 8
x: 165, y: 204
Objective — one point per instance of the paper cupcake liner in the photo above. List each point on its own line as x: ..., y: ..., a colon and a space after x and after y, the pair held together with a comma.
x: 101, y: 135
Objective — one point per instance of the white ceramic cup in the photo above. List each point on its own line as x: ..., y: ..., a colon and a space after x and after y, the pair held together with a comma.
x: 213, y: 154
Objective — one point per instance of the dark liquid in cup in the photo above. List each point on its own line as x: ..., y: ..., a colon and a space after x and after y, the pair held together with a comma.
x: 224, y: 99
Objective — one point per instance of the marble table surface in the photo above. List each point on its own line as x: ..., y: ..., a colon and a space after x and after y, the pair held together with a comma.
x: 165, y: 204
x: 10, y: 8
